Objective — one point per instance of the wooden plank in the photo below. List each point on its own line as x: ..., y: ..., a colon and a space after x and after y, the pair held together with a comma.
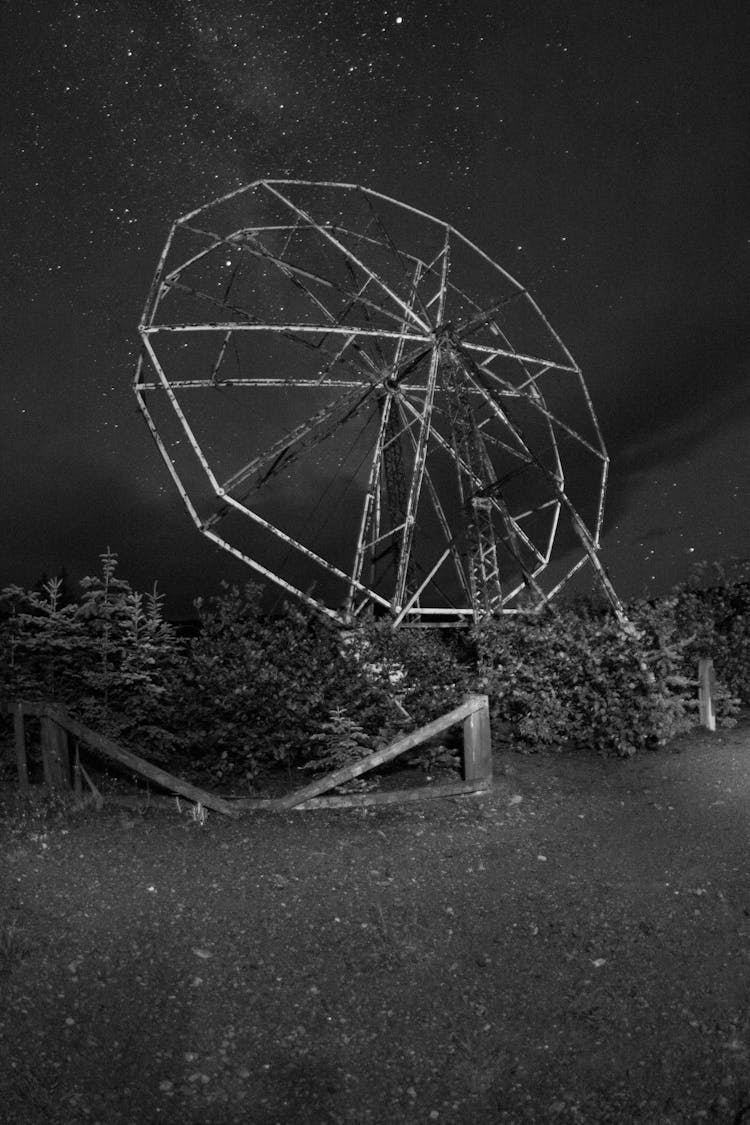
x: 338, y: 801
x: 706, y: 694
x: 397, y: 796
x: 19, y: 740
x: 255, y: 804
x: 408, y: 742
x: 477, y: 743
x: 111, y: 749
x: 55, y: 754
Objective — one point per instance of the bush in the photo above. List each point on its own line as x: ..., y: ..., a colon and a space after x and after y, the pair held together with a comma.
x: 259, y: 689
x: 425, y: 670
x: 251, y: 690
x: 713, y: 605
x: 580, y: 679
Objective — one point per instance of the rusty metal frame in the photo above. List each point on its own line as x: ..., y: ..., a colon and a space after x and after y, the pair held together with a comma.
x: 376, y: 337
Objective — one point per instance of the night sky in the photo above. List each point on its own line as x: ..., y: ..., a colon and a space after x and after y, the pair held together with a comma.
x: 598, y: 151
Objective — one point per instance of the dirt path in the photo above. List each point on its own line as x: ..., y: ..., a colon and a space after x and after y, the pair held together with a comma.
x: 580, y: 954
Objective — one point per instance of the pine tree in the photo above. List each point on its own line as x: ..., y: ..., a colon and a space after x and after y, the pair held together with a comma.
x: 111, y: 658
x: 342, y: 741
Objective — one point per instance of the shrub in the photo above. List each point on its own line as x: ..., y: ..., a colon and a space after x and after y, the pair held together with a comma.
x: 580, y: 679
x: 252, y: 689
x: 713, y: 605
x: 258, y: 689
x: 426, y: 671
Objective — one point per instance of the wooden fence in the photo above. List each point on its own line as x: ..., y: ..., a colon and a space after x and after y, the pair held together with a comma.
x: 63, y: 773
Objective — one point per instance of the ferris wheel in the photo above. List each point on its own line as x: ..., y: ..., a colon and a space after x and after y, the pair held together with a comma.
x: 365, y: 408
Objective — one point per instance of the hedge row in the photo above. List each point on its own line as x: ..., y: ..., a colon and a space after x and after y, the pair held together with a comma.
x: 249, y: 689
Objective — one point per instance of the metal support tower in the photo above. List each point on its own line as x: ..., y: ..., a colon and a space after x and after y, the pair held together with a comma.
x: 476, y: 482
x: 394, y: 479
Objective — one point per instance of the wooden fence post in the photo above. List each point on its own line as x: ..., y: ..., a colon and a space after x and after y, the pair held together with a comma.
x: 477, y: 742
x: 19, y: 739
x: 705, y: 694
x: 55, y: 754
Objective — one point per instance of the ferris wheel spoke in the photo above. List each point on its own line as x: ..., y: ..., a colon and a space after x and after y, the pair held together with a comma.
x: 303, y: 549
x: 354, y: 297
x: 423, y: 325
x: 532, y: 392
x: 490, y: 352
x: 304, y: 438
x: 486, y: 317
x: 413, y: 282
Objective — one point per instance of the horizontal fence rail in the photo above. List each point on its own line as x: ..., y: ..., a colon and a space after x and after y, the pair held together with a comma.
x: 57, y: 726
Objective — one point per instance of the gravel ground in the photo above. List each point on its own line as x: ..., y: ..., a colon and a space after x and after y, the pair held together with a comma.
x: 572, y: 947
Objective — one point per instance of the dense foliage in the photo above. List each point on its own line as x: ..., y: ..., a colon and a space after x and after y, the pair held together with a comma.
x: 109, y: 658
x: 570, y: 679
x: 257, y: 689
x: 714, y: 605
x: 251, y: 689
x: 428, y: 671
x: 576, y: 677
